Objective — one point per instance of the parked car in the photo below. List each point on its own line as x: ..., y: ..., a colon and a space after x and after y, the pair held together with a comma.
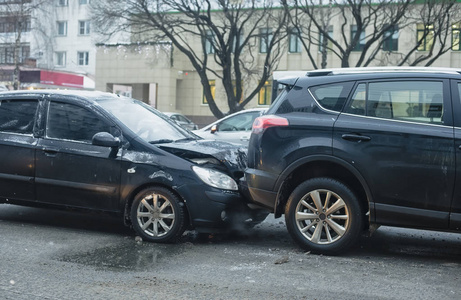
x: 105, y: 152
x: 182, y: 120
x: 235, y: 128
x: 343, y: 150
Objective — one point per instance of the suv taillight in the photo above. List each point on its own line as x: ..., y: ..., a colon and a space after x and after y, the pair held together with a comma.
x: 261, y: 123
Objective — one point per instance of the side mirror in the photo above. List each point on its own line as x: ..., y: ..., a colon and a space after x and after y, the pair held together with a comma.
x: 214, y: 128
x: 105, y: 139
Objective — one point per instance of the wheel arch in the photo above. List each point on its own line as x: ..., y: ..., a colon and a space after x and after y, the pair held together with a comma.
x: 322, y: 166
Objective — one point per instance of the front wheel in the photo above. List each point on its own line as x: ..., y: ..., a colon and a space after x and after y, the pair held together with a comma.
x: 323, y: 216
x: 158, y: 215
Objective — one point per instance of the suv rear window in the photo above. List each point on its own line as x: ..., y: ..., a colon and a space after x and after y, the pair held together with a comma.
x: 332, y: 96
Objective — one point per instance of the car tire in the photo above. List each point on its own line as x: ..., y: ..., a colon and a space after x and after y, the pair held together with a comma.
x: 323, y: 216
x: 158, y: 215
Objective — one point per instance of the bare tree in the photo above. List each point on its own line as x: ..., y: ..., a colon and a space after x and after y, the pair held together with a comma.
x: 366, y: 27
x: 363, y: 26
x: 228, y: 32
x: 433, y: 20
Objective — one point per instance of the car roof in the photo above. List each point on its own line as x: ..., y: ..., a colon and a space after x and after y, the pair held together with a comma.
x: 75, y: 94
x: 325, y: 76
x: 367, y: 70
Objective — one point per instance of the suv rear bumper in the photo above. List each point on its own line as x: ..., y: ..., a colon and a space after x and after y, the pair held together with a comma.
x: 263, y: 194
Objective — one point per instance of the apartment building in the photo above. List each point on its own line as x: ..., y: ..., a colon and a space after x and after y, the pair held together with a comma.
x: 56, y: 43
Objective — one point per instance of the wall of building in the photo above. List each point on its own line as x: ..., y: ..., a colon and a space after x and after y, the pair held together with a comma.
x: 178, y: 85
x: 145, y: 68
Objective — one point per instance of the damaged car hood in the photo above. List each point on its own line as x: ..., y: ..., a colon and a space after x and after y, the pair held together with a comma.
x: 230, y: 155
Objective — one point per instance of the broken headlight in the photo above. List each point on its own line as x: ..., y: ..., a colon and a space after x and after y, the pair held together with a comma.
x: 215, y: 178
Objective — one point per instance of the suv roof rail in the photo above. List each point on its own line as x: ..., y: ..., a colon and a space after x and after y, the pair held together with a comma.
x: 325, y: 72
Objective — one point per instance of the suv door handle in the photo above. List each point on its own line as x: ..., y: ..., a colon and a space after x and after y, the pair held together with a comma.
x: 356, y: 137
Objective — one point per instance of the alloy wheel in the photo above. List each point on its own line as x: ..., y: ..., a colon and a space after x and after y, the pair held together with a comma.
x: 155, y: 215
x: 322, y: 216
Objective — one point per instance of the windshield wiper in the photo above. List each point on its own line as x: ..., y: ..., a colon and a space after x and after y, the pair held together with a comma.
x: 161, y: 141
x: 185, y: 139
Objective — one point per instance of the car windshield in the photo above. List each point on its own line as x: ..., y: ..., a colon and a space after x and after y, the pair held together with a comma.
x: 143, y: 120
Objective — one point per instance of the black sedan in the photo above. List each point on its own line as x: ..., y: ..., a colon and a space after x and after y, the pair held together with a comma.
x: 104, y: 152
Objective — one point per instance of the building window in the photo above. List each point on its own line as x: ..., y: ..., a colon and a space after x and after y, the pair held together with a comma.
x: 361, y: 44
x: 265, y: 38
x: 455, y: 37
x: 265, y: 94
x: 82, y: 2
x: 83, y: 58
x: 12, y: 24
x: 294, y: 41
x: 63, y: 2
x: 234, y: 84
x: 62, y: 28
x: 425, y: 36
x: 209, y: 42
x: 391, y: 38
x: 212, y: 84
x: 60, y: 59
x: 7, y: 53
x: 322, y: 37
x: 83, y: 27
x: 237, y: 39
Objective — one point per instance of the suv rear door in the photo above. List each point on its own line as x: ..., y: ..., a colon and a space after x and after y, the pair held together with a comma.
x: 455, y: 216
x: 398, y: 133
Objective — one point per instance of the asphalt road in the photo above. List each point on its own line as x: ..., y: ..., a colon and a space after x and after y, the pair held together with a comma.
x: 48, y: 254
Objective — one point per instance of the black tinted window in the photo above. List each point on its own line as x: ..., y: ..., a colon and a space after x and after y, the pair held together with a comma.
x: 71, y: 122
x: 417, y: 101
x: 17, y: 116
x: 332, y: 96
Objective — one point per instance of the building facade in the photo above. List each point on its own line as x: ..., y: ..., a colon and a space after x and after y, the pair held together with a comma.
x: 166, y: 79
x: 57, y: 43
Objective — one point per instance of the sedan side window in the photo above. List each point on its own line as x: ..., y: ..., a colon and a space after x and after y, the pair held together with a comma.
x: 242, y: 122
x: 17, y: 116
x: 71, y: 122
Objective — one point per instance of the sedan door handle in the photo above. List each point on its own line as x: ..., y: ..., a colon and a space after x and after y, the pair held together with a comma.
x: 50, y: 152
x: 356, y: 137
x: 244, y: 138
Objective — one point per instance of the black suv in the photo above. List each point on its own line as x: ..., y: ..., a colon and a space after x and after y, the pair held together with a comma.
x: 344, y: 150
x: 103, y: 152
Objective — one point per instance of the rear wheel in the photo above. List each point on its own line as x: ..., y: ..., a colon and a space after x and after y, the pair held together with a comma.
x: 158, y: 215
x: 324, y: 216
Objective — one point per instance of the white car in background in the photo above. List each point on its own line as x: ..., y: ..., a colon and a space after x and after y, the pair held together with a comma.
x: 182, y: 120
x: 235, y: 128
